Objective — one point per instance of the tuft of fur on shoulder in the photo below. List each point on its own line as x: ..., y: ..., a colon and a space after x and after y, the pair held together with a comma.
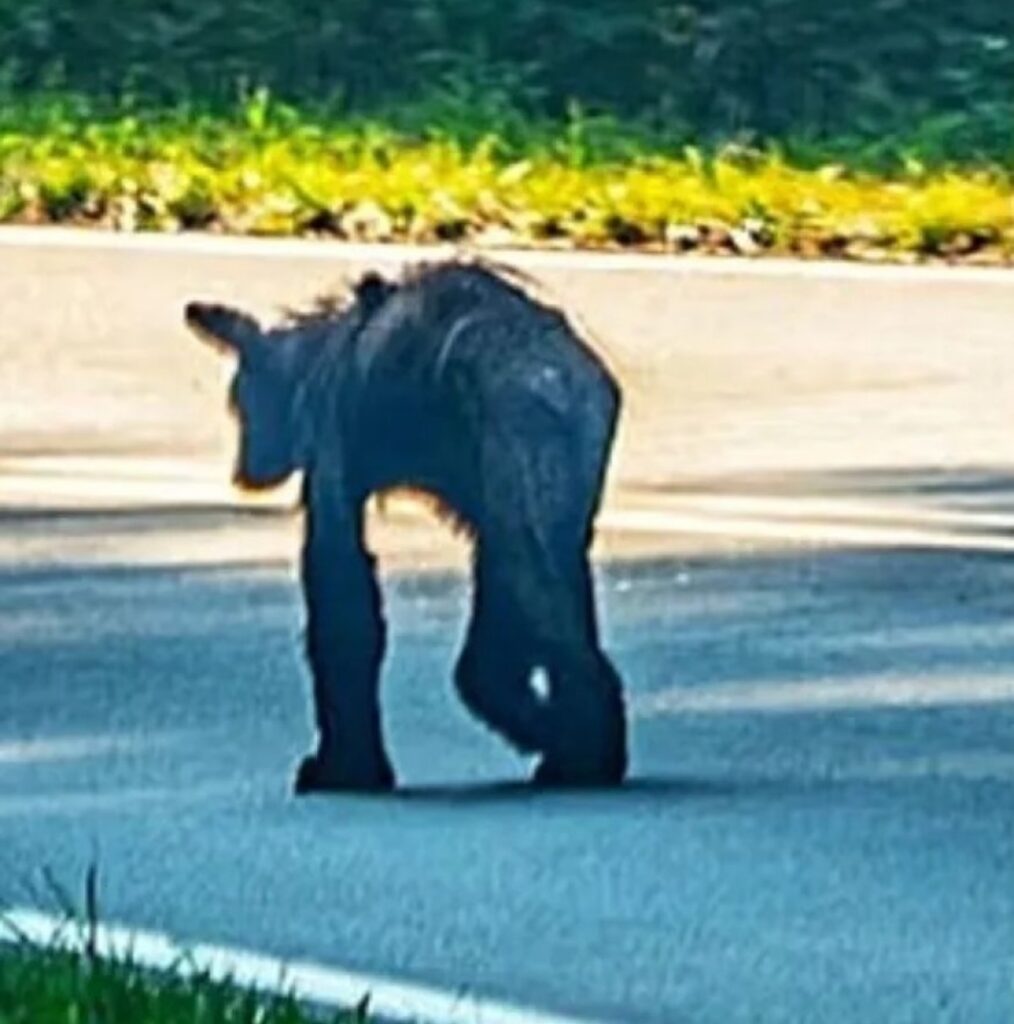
x: 322, y: 307
x: 487, y: 278
x: 480, y: 264
x: 492, y: 274
x: 480, y: 273
x: 367, y: 294
x: 372, y: 290
x: 473, y: 275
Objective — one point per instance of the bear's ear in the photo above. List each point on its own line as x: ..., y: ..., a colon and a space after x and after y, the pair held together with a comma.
x: 372, y: 292
x: 222, y: 326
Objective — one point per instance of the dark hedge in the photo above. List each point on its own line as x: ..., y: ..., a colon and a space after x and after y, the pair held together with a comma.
x: 714, y: 68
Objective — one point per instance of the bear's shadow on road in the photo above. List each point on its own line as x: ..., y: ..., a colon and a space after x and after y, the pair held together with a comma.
x: 683, y: 625
x: 648, y: 789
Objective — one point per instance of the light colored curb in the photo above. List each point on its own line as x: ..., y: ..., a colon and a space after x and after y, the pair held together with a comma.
x: 314, y: 983
x: 534, y: 259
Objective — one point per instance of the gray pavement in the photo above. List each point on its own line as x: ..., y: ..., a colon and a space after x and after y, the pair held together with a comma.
x: 821, y: 822
x: 820, y: 825
x: 731, y: 376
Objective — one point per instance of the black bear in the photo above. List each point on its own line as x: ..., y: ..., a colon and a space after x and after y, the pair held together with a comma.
x: 456, y: 381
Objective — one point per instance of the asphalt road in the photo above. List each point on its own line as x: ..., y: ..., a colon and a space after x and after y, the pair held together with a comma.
x: 820, y: 826
x: 821, y: 822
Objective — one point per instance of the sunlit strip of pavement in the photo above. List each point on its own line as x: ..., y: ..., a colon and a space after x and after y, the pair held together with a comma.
x: 116, y: 482
x: 314, y: 983
x: 826, y: 695
x: 119, y: 479
x: 72, y: 748
x: 104, y: 484
x: 706, y: 523
x: 776, y: 506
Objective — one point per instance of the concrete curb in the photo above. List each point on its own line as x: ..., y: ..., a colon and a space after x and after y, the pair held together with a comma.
x: 314, y: 983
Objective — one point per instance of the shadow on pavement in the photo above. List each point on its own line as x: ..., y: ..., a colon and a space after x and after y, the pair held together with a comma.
x: 873, y: 650
x: 492, y: 793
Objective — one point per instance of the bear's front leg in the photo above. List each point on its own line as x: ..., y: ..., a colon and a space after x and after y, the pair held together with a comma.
x: 345, y: 639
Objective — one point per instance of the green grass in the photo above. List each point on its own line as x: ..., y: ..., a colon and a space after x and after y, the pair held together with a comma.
x: 266, y: 169
x: 58, y: 986
x: 76, y: 979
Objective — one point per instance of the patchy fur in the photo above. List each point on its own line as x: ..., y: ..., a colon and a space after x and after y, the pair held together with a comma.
x: 456, y: 382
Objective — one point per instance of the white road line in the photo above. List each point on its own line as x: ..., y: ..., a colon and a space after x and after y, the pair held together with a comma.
x: 748, y: 520
x: 315, y: 983
x: 116, y: 481
x: 159, y: 468
x: 125, y: 491
x: 162, y: 480
x: 607, y: 262
x: 780, y: 506
x: 73, y: 748
x: 75, y: 482
x: 825, y: 695
x: 706, y: 524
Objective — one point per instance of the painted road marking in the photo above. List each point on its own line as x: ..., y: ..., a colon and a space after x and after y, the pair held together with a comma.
x: 312, y: 982
x: 825, y: 695
x: 162, y: 480
x: 76, y: 483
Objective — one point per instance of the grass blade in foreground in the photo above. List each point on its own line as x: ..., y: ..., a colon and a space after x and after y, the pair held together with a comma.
x: 59, y: 984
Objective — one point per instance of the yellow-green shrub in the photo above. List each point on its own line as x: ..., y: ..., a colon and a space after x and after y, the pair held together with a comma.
x: 365, y: 183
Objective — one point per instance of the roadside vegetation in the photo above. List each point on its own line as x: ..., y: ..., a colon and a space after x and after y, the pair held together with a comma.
x: 77, y: 978
x: 879, y: 130
x: 267, y: 169
x: 46, y: 986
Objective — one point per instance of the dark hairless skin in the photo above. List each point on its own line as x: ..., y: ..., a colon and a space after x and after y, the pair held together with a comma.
x: 456, y: 382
